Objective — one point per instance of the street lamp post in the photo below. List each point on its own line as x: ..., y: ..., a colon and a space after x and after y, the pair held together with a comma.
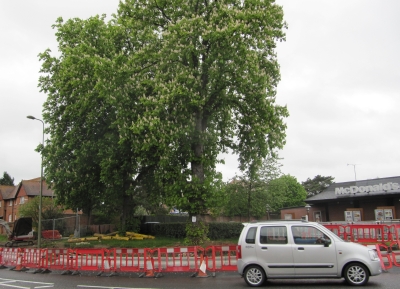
x: 41, y: 187
x: 308, y: 209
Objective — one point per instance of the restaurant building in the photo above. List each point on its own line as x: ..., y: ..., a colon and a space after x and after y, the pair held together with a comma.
x: 354, y: 201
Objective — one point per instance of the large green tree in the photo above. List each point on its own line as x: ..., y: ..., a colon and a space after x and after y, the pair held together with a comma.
x: 245, y: 199
x: 156, y: 94
x: 87, y: 163
x: 285, y: 191
x: 6, y: 180
x: 212, y: 73
x: 248, y: 195
x: 317, y: 184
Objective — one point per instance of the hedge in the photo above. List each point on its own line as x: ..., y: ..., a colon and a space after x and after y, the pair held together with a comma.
x: 216, y: 231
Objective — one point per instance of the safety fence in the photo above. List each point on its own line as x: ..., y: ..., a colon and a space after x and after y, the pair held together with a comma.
x: 388, y: 254
x: 146, y: 262
x: 383, y: 237
x: 366, y: 233
x: 149, y: 262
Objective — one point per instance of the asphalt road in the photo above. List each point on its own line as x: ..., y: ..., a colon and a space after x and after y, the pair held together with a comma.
x: 28, y: 280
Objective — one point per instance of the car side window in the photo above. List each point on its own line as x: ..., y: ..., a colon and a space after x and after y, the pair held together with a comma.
x: 273, y: 235
x: 251, y: 235
x: 308, y: 235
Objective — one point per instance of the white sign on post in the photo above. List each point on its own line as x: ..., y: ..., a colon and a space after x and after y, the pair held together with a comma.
x: 193, y: 219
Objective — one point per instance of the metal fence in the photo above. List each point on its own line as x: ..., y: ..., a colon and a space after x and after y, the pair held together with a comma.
x: 65, y: 226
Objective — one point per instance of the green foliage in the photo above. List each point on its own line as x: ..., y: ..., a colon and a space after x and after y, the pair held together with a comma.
x: 170, y: 230
x: 132, y: 224
x: 248, y: 195
x: 218, y: 231
x: 49, y: 210
x: 6, y: 180
x: 100, y: 217
x: 238, y: 199
x: 196, y: 233
x: 270, y: 168
x: 285, y: 192
x: 79, y: 245
x: 139, y: 108
x: 317, y: 184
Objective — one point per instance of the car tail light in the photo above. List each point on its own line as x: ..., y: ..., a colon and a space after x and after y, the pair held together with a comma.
x: 239, y: 252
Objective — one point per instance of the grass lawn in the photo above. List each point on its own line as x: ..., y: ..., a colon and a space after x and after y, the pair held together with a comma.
x: 3, y: 238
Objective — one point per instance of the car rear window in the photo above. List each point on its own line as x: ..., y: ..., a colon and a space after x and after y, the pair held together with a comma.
x: 251, y: 235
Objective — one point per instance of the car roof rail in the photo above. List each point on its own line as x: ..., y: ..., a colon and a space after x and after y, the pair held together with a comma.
x: 278, y: 220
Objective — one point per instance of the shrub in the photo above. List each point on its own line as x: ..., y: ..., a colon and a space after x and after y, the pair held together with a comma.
x: 196, y: 233
x: 229, y: 230
x: 216, y: 231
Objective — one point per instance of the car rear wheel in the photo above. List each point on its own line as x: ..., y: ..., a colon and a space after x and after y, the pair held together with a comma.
x: 356, y: 274
x: 254, y: 276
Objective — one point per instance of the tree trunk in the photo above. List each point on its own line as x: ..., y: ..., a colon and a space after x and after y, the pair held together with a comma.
x: 249, y: 201
x: 198, y: 149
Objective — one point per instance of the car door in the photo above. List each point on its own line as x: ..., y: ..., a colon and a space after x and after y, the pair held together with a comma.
x: 274, y: 251
x: 310, y: 255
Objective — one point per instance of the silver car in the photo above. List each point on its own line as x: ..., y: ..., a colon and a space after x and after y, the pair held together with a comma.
x: 301, y: 249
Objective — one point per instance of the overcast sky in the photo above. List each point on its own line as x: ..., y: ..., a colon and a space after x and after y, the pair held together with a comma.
x: 340, y: 68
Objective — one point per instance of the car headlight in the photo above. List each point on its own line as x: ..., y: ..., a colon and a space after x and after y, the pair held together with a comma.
x: 373, y: 255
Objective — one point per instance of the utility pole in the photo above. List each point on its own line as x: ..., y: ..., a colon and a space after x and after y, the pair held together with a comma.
x: 354, y: 166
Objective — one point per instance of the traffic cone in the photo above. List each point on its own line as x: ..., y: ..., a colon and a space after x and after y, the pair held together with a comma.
x: 149, y: 268
x: 107, y: 268
x: 19, y: 266
x: 202, y: 269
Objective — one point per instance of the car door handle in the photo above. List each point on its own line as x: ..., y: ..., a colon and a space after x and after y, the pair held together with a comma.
x: 264, y: 248
x: 300, y: 248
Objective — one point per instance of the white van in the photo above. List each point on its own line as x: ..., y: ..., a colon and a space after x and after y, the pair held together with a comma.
x: 301, y: 249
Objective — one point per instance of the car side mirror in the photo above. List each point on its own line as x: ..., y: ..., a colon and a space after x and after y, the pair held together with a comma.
x: 326, y: 242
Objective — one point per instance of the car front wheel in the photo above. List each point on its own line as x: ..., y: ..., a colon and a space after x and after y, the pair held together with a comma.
x: 356, y: 274
x: 254, y: 276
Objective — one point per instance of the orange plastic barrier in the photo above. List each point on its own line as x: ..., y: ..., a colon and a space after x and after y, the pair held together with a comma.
x: 9, y: 257
x: 148, y: 262
x: 366, y: 233
x: 33, y: 258
x: 56, y: 259
x: 342, y: 231
x: 182, y: 259
x: 127, y: 260
x: 153, y: 262
x: 223, y: 258
x: 384, y: 254
x: 1, y: 259
x: 395, y: 231
x: 86, y: 260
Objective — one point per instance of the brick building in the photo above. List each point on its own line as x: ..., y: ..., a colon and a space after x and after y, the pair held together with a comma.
x: 355, y: 201
x: 12, y: 197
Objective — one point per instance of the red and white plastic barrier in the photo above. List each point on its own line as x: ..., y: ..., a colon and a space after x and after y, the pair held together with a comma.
x: 149, y: 262
x: 177, y: 259
x: 222, y: 258
x: 146, y: 262
x: 366, y: 233
x: 9, y: 257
